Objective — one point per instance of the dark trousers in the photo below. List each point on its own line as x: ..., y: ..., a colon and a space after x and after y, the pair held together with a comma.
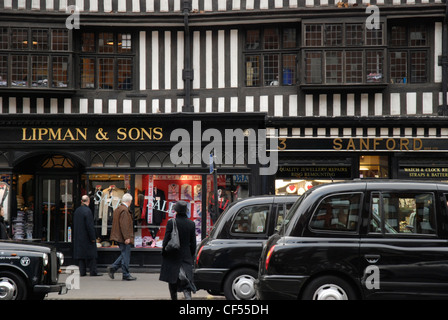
x: 87, y: 263
x: 123, y: 260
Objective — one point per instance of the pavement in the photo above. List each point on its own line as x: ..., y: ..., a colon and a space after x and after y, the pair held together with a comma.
x: 146, y: 287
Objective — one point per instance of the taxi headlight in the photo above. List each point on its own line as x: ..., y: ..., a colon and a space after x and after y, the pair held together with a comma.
x: 60, y: 256
x: 45, y: 259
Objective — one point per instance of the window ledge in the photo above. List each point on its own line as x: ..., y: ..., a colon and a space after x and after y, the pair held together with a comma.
x: 344, y: 87
x: 35, y: 91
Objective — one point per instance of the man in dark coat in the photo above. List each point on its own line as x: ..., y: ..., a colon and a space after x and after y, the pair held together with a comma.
x: 84, y: 240
x: 173, y: 260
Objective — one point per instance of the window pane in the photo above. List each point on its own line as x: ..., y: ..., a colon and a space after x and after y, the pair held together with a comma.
x: 106, y: 43
x: 88, y: 42
x: 39, y: 71
x: 252, y: 71
x: 398, y: 36
x: 4, y: 39
x: 333, y: 35
x: 337, y: 213
x: 59, y: 40
x: 417, y: 36
x: 289, y: 69
x: 353, y: 66
x: 333, y: 67
x: 125, y: 74
x: 418, y: 67
x: 398, y: 66
x: 251, y: 220
x: 19, y: 39
x: 313, y: 35
x: 271, y: 39
x: 409, y: 213
x: 271, y: 70
x: 353, y: 34
x: 19, y: 71
x: 87, y: 73
x: 60, y: 77
x: 374, y: 37
x: 374, y: 66
x: 106, y: 73
x: 39, y: 39
x: 313, y: 67
x: 289, y: 38
x: 124, y: 43
x: 252, y: 39
x: 3, y: 71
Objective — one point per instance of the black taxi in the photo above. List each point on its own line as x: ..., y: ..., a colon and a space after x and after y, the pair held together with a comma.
x: 226, y: 262
x: 360, y: 240
x: 29, y: 271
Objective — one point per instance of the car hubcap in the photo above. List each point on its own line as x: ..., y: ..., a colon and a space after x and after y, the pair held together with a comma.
x: 330, y: 292
x: 243, y: 287
x: 7, y: 289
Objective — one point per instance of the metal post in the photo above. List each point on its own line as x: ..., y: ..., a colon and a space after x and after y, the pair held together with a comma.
x: 187, y: 73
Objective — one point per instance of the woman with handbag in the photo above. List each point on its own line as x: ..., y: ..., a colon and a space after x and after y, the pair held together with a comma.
x: 177, y: 263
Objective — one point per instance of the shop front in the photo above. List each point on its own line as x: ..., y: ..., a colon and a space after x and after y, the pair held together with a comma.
x: 49, y: 162
x: 312, y: 156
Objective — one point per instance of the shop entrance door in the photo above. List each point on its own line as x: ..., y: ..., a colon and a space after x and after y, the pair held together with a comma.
x: 56, y: 205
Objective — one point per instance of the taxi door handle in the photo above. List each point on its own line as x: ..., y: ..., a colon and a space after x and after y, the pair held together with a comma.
x: 372, y: 258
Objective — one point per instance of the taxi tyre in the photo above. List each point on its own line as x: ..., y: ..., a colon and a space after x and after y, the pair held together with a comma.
x: 329, y: 288
x: 17, y: 281
x: 237, y: 283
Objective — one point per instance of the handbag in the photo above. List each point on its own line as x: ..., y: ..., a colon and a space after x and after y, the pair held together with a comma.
x: 174, y: 243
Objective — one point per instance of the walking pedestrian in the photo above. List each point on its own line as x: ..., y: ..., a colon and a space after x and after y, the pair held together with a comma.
x: 84, y: 240
x: 123, y: 233
x: 172, y: 261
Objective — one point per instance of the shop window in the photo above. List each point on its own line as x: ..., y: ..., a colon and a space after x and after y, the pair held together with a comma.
x: 374, y: 167
x: 287, y: 187
x: 22, y: 221
x: 337, y: 213
x: 271, y: 56
x: 34, y: 58
x: 107, y: 60
x: 402, y: 213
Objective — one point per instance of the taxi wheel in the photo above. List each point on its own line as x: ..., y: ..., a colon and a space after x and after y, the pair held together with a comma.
x: 329, y: 288
x: 12, y: 286
x: 240, y: 284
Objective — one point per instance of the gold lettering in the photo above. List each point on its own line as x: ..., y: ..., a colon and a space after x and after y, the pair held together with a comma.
x: 121, y: 134
x: 24, y: 135
x: 363, y: 143
x: 388, y: 146
x: 376, y: 142
x: 79, y: 132
x: 132, y: 136
x: 404, y: 144
x: 54, y: 135
x: 351, y: 144
x: 337, y: 144
x: 420, y: 144
x: 146, y: 133
x: 69, y: 135
x: 157, y: 132
x: 42, y: 132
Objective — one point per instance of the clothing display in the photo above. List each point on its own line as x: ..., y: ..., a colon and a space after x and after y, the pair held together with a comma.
x: 110, y: 200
